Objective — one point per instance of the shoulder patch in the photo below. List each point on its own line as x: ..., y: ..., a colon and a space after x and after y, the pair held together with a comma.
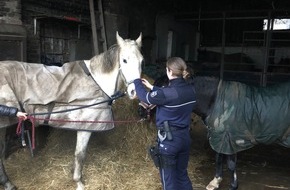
x: 154, y: 93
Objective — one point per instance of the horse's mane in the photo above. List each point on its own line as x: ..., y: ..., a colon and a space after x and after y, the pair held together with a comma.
x: 206, y: 91
x: 106, y: 61
x: 210, y: 81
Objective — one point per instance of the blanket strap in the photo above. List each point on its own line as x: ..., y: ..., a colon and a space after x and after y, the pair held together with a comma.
x: 49, y: 110
x: 286, y: 134
x: 85, y: 68
x: 251, y: 137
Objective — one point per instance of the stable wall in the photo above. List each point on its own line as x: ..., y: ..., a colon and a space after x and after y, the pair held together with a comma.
x: 70, y: 38
x: 183, y: 40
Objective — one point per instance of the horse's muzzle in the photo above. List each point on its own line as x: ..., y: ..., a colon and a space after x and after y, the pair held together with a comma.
x: 131, y: 91
x: 132, y: 94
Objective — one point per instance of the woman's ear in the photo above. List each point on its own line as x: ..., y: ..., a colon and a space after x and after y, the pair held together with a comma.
x: 169, y: 73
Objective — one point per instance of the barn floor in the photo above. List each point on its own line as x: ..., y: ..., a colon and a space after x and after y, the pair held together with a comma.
x: 117, y: 160
x: 260, y: 168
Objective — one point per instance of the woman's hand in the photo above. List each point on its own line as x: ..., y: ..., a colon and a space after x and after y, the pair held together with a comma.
x: 21, y: 115
x: 147, y: 84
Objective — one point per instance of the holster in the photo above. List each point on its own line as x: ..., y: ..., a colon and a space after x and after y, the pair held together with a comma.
x: 167, y: 130
x: 154, y: 153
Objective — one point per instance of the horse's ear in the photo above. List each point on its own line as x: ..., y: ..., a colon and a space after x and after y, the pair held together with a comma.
x: 139, y: 40
x: 120, y: 40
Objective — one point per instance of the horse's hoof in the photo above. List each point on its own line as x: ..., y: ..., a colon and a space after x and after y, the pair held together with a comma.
x: 233, y: 188
x: 80, y: 186
x: 214, y: 184
x: 9, y: 186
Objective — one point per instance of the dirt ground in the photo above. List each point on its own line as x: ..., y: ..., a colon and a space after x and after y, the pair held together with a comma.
x: 118, y: 160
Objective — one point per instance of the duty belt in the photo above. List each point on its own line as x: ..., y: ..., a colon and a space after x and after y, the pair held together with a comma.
x: 165, y: 131
x: 172, y: 128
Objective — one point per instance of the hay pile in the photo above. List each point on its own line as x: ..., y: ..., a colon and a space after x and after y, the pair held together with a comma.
x: 116, y: 159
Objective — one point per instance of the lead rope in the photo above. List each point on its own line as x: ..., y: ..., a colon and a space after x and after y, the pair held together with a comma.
x: 20, y: 130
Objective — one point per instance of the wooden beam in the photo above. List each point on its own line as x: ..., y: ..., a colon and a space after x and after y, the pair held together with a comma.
x: 94, y: 28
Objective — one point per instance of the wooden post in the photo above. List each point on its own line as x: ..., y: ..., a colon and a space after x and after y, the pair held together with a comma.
x: 94, y: 28
x: 222, y: 68
x: 270, y: 26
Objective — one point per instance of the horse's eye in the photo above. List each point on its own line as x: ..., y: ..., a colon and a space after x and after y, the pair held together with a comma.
x: 124, y: 61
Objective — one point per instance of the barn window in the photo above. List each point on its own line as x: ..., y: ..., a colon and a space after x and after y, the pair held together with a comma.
x: 278, y: 24
x: 63, y: 41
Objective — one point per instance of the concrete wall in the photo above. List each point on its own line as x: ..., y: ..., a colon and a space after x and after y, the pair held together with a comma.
x: 10, y: 12
x: 257, y: 54
x: 183, y: 38
x: 116, y: 15
x: 49, y: 22
x: 128, y: 19
x: 12, y: 33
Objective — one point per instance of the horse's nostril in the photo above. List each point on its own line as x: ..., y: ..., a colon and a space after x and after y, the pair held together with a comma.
x: 133, y: 93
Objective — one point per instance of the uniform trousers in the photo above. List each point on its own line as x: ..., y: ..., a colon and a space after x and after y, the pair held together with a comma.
x: 174, y: 161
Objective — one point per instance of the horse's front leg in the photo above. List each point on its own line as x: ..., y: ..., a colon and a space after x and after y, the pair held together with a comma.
x: 232, y: 165
x: 215, y: 183
x: 83, y: 138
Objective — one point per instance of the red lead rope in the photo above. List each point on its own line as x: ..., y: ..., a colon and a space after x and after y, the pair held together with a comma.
x: 33, y: 119
x: 19, y: 128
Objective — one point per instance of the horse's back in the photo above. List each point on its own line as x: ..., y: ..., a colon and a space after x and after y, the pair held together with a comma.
x: 39, y: 84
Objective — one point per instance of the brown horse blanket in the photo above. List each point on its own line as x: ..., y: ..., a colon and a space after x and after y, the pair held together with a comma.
x: 244, y: 116
x: 39, y: 88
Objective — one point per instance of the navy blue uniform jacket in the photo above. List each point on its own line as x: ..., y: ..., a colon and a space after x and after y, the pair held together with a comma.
x: 174, y: 102
x: 8, y: 111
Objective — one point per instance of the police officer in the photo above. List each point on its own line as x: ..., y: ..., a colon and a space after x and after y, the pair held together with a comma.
x: 12, y: 112
x: 173, y: 116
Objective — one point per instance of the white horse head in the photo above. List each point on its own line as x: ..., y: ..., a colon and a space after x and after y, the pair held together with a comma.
x: 130, y: 60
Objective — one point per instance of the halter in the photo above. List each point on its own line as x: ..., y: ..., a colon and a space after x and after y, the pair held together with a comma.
x: 123, y: 77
